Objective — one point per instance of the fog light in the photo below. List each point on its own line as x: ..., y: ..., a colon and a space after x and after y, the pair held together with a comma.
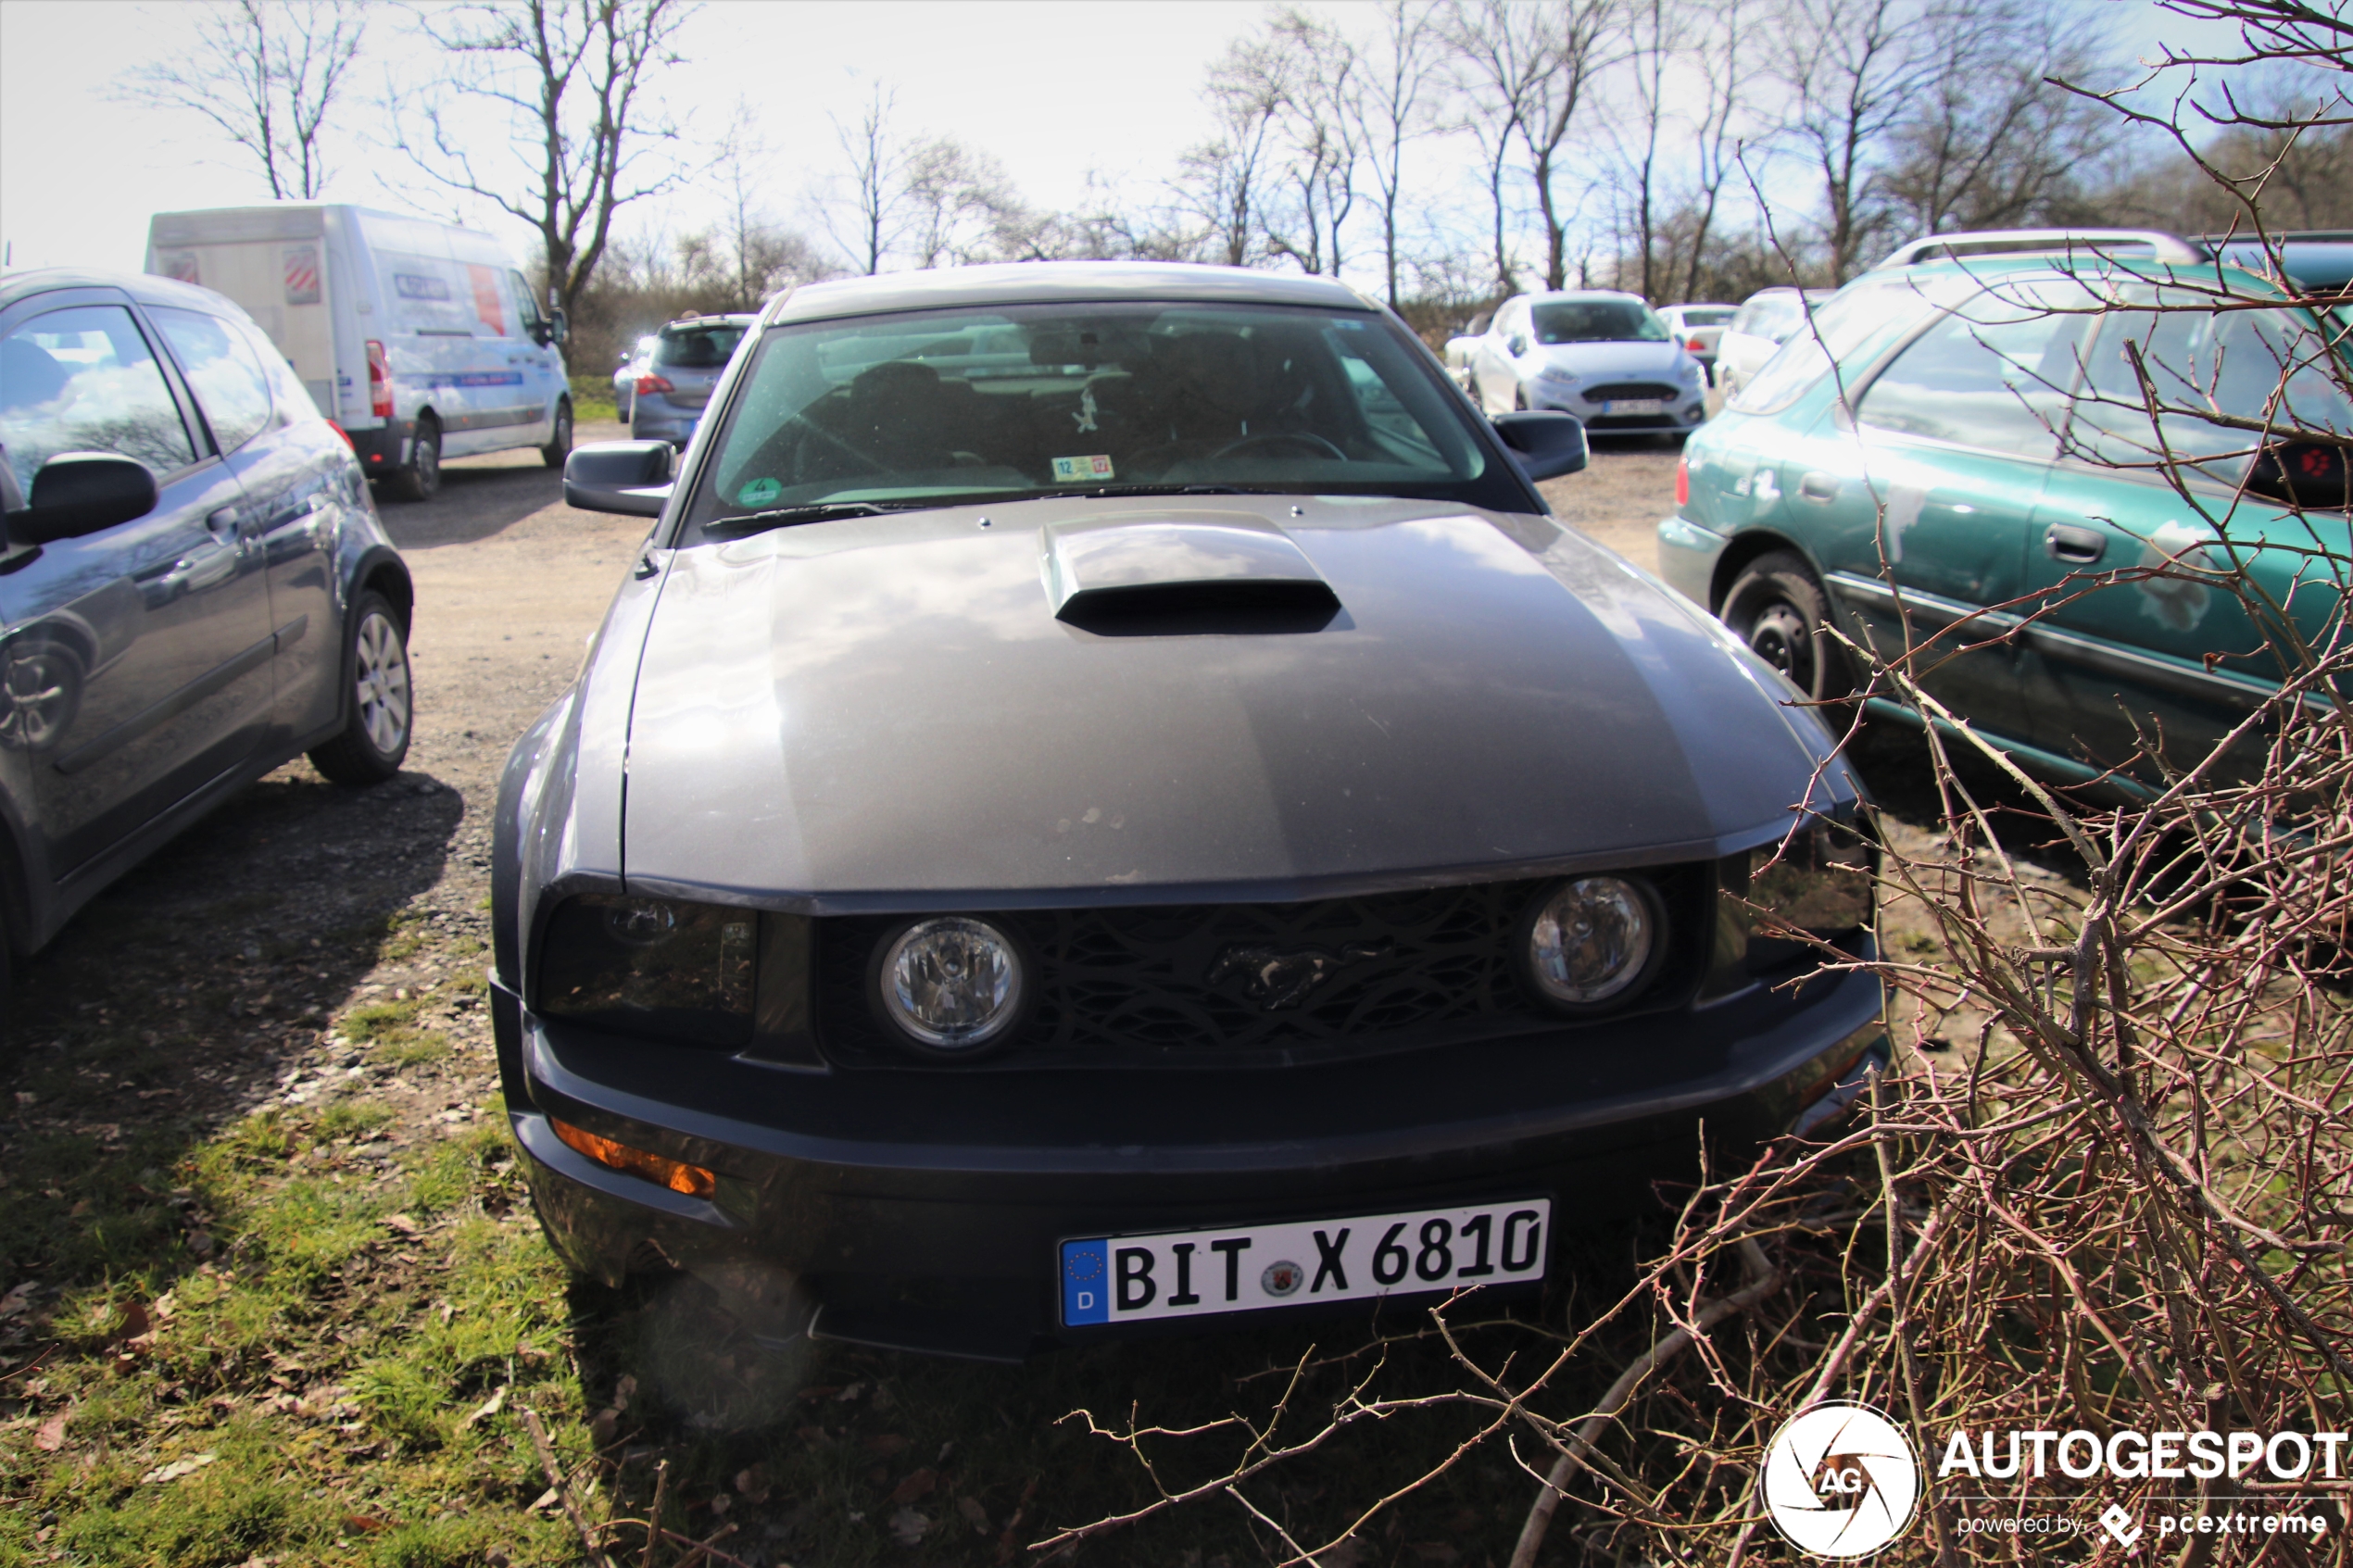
x: 1592, y: 939
x: 953, y: 984
x: 675, y: 1174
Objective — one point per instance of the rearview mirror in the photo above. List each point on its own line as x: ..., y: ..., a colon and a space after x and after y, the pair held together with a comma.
x: 629, y: 477
x: 80, y: 492
x: 1545, y: 443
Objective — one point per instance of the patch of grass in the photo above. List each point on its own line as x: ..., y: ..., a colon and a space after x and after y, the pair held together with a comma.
x: 391, y: 1032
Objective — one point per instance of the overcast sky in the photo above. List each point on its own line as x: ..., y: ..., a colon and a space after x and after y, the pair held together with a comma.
x: 1053, y: 90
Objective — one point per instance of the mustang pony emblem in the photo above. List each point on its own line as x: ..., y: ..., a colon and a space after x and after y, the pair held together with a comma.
x: 1277, y: 980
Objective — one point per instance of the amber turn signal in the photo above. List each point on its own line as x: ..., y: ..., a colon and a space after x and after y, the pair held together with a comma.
x: 678, y: 1176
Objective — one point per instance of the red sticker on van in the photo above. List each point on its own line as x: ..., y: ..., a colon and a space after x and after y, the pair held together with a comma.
x: 302, y: 274
x: 487, y: 305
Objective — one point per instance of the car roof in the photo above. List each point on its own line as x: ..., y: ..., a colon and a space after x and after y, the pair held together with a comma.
x: 690, y: 323
x: 1991, y: 267
x: 145, y: 287
x: 1540, y: 295
x: 1050, y: 282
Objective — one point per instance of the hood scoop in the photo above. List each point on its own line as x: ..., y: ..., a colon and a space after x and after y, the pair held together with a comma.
x: 1183, y: 574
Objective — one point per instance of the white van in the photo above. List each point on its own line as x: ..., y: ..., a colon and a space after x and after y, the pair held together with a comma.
x: 420, y: 339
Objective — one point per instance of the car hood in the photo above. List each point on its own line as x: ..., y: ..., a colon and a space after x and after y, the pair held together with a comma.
x: 1604, y: 361
x: 886, y: 712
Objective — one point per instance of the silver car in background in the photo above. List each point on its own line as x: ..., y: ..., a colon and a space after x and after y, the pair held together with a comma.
x: 1697, y: 328
x: 678, y: 376
x: 1598, y: 354
x: 633, y: 360
x: 1768, y: 318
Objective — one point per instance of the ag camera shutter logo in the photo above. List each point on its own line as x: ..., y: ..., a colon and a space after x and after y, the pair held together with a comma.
x: 1840, y: 1481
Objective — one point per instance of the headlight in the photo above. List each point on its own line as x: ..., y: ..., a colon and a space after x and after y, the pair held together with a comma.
x: 652, y: 966
x: 1559, y: 377
x: 1592, y: 940
x: 951, y: 984
x: 1690, y: 371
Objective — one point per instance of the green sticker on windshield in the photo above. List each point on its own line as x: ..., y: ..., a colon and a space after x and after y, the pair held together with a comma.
x: 760, y: 492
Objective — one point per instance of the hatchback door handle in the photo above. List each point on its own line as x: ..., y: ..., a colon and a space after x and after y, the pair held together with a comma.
x: 2077, y: 546
x: 1819, y: 486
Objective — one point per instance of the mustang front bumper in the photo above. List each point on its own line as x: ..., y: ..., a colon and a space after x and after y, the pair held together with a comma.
x: 921, y: 1209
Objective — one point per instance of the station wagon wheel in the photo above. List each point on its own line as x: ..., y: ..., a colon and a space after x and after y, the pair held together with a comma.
x: 1780, y: 611
x: 375, y: 737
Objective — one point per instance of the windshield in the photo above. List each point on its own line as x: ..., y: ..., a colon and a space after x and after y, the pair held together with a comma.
x: 1597, y: 321
x: 1695, y: 315
x: 1840, y: 325
x: 693, y: 348
x: 925, y: 407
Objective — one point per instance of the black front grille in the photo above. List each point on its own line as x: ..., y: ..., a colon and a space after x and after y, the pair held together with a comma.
x: 1611, y: 391
x: 1172, y: 985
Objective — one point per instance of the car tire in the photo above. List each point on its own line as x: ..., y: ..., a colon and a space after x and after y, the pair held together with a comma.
x: 40, y: 691
x: 560, y: 446
x: 374, y: 739
x: 417, y: 479
x: 1778, y: 607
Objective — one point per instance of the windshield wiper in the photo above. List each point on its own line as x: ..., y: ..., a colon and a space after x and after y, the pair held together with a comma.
x: 815, y: 512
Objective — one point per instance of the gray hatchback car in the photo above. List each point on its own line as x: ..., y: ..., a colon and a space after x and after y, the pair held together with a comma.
x: 193, y: 583
x: 678, y: 374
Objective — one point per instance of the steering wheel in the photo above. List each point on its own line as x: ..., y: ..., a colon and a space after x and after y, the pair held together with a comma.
x: 1320, y: 447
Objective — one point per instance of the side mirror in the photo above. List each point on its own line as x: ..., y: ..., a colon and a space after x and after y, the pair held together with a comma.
x: 1545, y: 443
x: 1517, y: 344
x: 81, y: 493
x: 629, y: 477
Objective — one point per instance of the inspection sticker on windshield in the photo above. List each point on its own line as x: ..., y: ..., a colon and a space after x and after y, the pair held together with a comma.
x: 760, y: 492
x: 1075, y: 471
x: 1248, y: 1268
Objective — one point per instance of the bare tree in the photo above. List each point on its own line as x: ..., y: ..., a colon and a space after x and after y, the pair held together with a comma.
x: 1715, y: 54
x: 1991, y: 140
x: 1654, y: 39
x: 1851, y: 68
x: 573, y: 78
x: 1392, y: 104
x: 965, y: 208
x: 1317, y: 144
x: 877, y: 187
x: 1534, y: 66
x: 266, y: 77
x: 1224, y: 182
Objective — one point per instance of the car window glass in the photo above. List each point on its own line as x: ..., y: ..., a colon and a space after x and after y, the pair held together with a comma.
x: 230, y: 386
x: 1046, y: 399
x: 82, y: 380
x: 697, y: 348
x: 526, y: 308
x: 1696, y: 318
x: 1996, y: 372
x: 1596, y: 321
x: 293, y: 399
x: 1840, y: 325
x: 2268, y: 368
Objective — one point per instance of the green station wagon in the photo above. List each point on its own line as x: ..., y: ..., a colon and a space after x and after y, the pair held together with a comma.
x: 1967, y: 446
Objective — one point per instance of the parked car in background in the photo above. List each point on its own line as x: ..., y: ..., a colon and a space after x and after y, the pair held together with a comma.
x: 1765, y: 321
x: 625, y: 379
x: 1697, y: 327
x: 420, y: 339
x: 1602, y: 356
x: 2316, y: 260
x: 194, y: 582
x: 1997, y: 461
x: 679, y: 371
x: 1133, y: 812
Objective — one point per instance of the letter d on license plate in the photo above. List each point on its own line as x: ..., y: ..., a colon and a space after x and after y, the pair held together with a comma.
x: 1258, y: 1267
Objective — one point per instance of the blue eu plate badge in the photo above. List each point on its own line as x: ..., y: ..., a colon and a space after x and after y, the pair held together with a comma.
x: 1086, y: 1287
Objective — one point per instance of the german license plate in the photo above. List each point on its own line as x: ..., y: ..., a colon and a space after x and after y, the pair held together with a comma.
x: 1635, y: 406
x: 1253, y: 1268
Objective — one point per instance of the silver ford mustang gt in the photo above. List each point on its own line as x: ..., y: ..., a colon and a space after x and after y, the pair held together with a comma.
x: 1107, y: 805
